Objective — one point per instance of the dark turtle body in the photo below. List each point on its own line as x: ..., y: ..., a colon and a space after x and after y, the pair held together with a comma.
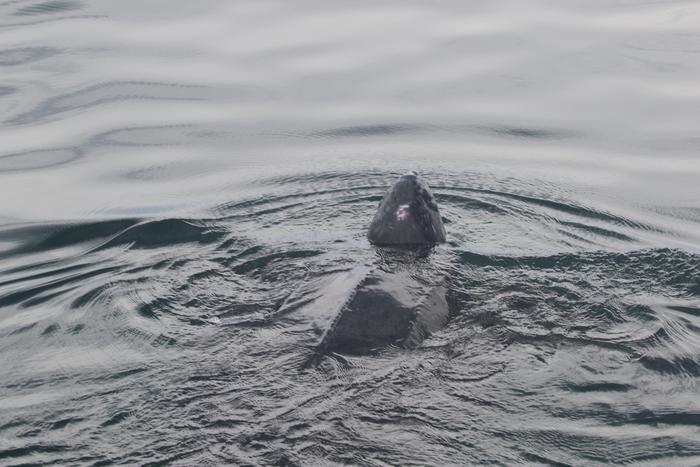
x: 403, y: 298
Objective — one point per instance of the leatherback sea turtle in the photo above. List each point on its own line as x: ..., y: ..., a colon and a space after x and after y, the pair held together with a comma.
x: 400, y: 298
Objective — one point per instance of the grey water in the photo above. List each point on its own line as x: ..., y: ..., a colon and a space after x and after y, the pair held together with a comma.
x: 174, y: 174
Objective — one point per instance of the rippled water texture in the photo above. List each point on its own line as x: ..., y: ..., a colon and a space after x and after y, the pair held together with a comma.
x: 182, y: 182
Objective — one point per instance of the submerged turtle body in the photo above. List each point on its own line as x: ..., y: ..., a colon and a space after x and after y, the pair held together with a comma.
x: 387, y: 308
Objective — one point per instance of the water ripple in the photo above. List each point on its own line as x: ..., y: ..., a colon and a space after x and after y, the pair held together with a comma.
x: 186, y: 196
x: 23, y: 55
x: 39, y: 159
x: 104, y: 93
x: 50, y: 7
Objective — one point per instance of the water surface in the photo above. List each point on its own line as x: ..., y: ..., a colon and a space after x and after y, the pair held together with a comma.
x: 171, y: 173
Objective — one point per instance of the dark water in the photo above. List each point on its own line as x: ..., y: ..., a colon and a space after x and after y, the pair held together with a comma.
x: 171, y: 173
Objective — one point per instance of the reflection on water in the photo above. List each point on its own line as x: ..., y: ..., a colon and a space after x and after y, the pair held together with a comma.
x: 180, y: 180
x: 24, y: 55
x: 33, y: 160
x: 47, y: 8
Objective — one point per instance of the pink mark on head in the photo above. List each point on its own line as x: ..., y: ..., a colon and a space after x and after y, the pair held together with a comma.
x: 402, y: 212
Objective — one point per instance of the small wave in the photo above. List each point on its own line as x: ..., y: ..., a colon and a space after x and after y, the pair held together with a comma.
x: 36, y: 295
x: 597, y: 231
x: 155, y: 233
x: 524, y: 132
x: 24, y: 55
x: 36, y: 238
x: 470, y: 203
x: 7, y: 90
x: 570, y: 208
x: 260, y: 262
x: 103, y: 93
x: 50, y: 7
x: 142, y: 136
x: 674, y: 266
x: 680, y: 366
x: 368, y: 130
x: 39, y: 159
x: 688, y: 43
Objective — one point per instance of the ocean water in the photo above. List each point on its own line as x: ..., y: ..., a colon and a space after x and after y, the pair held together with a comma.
x: 173, y: 174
